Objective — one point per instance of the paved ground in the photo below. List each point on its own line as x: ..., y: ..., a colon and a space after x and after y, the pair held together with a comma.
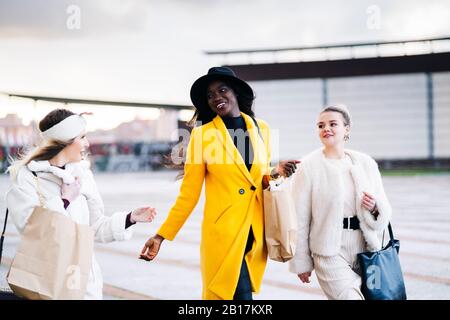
x: 421, y: 221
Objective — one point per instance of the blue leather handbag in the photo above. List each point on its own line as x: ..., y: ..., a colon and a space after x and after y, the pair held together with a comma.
x: 381, y: 274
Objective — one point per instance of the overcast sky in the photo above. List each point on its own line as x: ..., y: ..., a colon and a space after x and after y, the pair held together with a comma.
x: 152, y: 51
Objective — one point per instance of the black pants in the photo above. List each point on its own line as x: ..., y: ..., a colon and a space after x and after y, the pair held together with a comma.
x: 244, y: 286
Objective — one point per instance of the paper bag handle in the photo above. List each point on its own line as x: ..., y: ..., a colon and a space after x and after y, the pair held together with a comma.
x: 39, y: 191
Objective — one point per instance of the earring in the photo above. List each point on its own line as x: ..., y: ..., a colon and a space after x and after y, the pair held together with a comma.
x: 346, y: 137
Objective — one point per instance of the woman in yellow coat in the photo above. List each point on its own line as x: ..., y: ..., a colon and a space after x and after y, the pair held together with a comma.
x: 231, y: 153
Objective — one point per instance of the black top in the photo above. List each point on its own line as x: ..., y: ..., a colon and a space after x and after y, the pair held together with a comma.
x: 239, y: 134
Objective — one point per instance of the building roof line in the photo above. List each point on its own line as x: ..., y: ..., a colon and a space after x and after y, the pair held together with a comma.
x: 330, y: 46
x: 427, y: 63
x: 99, y: 102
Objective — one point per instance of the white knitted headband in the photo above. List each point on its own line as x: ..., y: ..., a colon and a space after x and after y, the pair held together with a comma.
x: 66, y: 130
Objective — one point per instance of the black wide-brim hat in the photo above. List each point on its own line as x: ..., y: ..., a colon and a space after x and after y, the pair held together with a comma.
x: 200, y: 86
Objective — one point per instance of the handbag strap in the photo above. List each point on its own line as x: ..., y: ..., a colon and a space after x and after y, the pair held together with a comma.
x: 38, y: 188
x: 391, y: 234
x: 3, y: 235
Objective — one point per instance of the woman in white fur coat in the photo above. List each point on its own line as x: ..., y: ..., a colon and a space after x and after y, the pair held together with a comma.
x: 68, y: 187
x: 341, y: 206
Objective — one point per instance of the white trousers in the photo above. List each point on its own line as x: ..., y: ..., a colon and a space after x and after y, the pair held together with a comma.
x: 339, y: 275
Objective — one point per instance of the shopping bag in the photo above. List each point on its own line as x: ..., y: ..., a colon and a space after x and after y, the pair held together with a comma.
x: 53, y: 260
x: 280, y: 220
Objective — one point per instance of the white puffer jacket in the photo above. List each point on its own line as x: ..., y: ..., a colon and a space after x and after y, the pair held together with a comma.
x: 319, y: 200
x: 88, y: 209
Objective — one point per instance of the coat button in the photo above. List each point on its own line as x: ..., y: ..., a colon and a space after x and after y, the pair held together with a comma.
x: 241, y: 191
x: 253, y: 188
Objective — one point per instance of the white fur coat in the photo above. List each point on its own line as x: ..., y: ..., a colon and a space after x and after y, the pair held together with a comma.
x: 87, y: 208
x: 319, y: 201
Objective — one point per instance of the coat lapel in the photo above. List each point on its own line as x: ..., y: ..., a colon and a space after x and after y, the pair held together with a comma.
x: 225, y: 138
x: 259, y: 149
x: 359, y: 177
x: 361, y: 184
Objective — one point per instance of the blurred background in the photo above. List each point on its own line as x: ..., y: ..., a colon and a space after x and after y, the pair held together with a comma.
x: 132, y: 63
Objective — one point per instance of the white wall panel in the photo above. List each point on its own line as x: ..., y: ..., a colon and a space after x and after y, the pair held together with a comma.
x: 441, y: 93
x: 389, y: 113
x: 290, y: 107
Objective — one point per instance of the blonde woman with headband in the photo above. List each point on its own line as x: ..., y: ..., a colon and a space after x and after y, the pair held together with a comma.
x: 341, y: 206
x: 68, y: 187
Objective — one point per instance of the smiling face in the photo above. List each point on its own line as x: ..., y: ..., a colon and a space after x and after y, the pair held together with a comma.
x: 77, y: 150
x: 332, y: 128
x: 222, y: 99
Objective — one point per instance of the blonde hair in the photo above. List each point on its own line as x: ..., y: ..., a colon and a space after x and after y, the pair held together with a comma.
x: 45, y: 151
x: 47, y: 148
x: 342, y: 109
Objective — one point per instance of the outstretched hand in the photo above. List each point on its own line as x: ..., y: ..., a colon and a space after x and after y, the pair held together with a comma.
x: 145, y: 214
x: 151, y: 248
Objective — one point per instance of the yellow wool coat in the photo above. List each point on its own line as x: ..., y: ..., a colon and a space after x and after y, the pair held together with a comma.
x: 234, y: 203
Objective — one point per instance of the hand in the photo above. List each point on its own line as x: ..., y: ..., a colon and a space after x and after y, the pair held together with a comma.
x: 304, y: 277
x: 146, y: 214
x: 286, y: 168
x: 265, y: 182
x: 71, y: 191
x: 151, y: 248
x: 368, y: 202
